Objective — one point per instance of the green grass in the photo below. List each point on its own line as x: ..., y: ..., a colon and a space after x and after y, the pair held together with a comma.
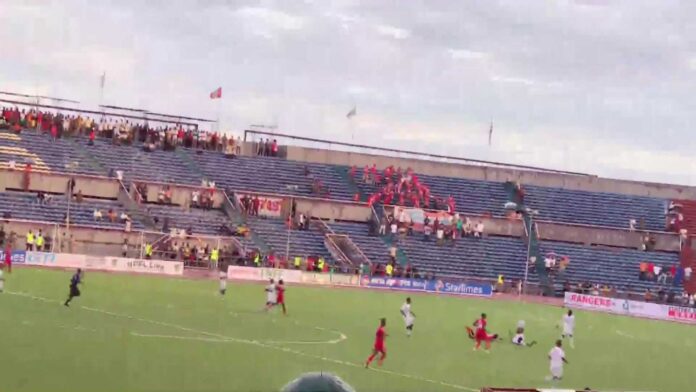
x: 225, y: 344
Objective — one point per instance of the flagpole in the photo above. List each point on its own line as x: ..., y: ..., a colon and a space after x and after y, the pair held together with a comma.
x: 101, y: 93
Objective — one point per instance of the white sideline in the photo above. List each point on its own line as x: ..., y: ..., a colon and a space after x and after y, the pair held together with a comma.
x: 253, y: 343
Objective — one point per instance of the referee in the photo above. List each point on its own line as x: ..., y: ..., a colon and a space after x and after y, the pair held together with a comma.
x: 74, y: 290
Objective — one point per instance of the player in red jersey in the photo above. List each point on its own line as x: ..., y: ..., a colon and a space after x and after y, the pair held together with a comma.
x: 379, y: 344
x: 280, y: 293
x: 481, y: 334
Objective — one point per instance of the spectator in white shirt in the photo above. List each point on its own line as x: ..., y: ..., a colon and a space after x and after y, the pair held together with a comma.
x: 124, y: 217
x: 632, y: 225
x: 12, y: 164
x: 195, y: 196
x: 98, y: 215
x: 440, y: 235
x: 394, y: 228
x: 478, y: 230
x: 687, y: 273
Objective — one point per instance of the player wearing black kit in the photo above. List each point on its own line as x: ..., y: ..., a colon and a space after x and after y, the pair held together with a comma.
x: 74, y: 290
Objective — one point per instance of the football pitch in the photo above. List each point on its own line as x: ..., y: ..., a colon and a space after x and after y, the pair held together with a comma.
x: 141, y: 333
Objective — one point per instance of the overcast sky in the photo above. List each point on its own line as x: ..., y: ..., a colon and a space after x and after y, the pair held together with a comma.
x: 604, y: 87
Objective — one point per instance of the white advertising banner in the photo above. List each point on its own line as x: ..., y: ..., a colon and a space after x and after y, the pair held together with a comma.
x: 262, y: 274
x: 67, y: 260
x: 631, y: 308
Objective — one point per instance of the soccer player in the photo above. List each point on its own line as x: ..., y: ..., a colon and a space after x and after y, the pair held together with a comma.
x: 556, y: 359
x: 223, y: 282
x: 380, y: 336
x: 481, y: 335
x: 74, y: 290
x: 518, y: 339
x: 408, y: 316
x: 270, y: 294
x: 569, y: 327
x: 280, y: 296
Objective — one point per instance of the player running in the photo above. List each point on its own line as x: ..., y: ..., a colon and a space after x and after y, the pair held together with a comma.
x: 569, y: 327
x: 556, y: 361
x: 481, y: 335
x: 270, y: 294
x: 280, y: 296
x: 408, y: 316
x: 223, y: 282
x: 74, y: 289
x: 380, y: 336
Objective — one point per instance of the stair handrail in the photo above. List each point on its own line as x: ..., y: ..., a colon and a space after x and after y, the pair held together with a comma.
x: 136, y: 205
x: 327, y: 237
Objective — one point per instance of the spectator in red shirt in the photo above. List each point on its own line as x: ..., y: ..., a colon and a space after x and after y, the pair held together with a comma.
x: 274, y: 148
x: 92, y: 135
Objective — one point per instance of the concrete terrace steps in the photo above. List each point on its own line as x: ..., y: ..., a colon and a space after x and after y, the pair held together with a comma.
x: 618, y: 267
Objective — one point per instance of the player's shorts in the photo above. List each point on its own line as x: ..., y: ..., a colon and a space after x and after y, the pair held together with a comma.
x: 280, y: 301
x: 567, y: 331
x: 408, y: 321
x: 380, y: 348
x: 269, y: 303
x: 557, y: 371
x: 74, y: 291
x: 518, y: 340
x: 481, y: 334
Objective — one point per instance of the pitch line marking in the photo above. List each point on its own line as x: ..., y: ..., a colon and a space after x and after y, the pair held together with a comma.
x: 257, y: 343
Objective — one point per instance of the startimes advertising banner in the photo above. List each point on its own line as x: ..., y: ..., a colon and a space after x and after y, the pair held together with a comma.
x: 431, y: 286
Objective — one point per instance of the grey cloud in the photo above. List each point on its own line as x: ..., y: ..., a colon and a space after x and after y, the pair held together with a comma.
x: 614, y: 72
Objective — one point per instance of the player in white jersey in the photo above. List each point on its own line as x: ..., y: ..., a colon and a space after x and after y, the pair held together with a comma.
x: 223, y: 282
x: 556, y: 360
x: 519, y: 339
x: 569, y: 327
x: 270, y: 294
x: 408, y: 316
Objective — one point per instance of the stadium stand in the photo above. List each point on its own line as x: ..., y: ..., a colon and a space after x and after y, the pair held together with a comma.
x: 26, y: 206
x: 595, y: 208
x: 44, y: 154
x: 302, y: 242
x: 618, y: 267
x: 481, y: 258
x: 139, y: 165
x: 269, y: 174
x: 193, y: 220
x: 373, y: 247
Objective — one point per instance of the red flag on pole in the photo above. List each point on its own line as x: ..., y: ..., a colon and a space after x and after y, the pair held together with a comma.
x: 216, y: 93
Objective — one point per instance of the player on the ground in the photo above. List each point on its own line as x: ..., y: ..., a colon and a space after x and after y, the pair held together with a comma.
x: 569, y: 327
x: 519, y: 339
x: 408, y: 316
x: 481, y: 335
x: 223, y: 282
x: 556, y: 360
x: 280, y: 296
x: 74, y: 289
x: 270, y: 294
x: 379, y: 348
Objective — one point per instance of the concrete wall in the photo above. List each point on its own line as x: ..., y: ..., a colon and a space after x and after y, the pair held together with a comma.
x: 604, y: 236
x: 94, y: 186
x: 181, y: 194
x: 500, y: 174
x: 334, y: 210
